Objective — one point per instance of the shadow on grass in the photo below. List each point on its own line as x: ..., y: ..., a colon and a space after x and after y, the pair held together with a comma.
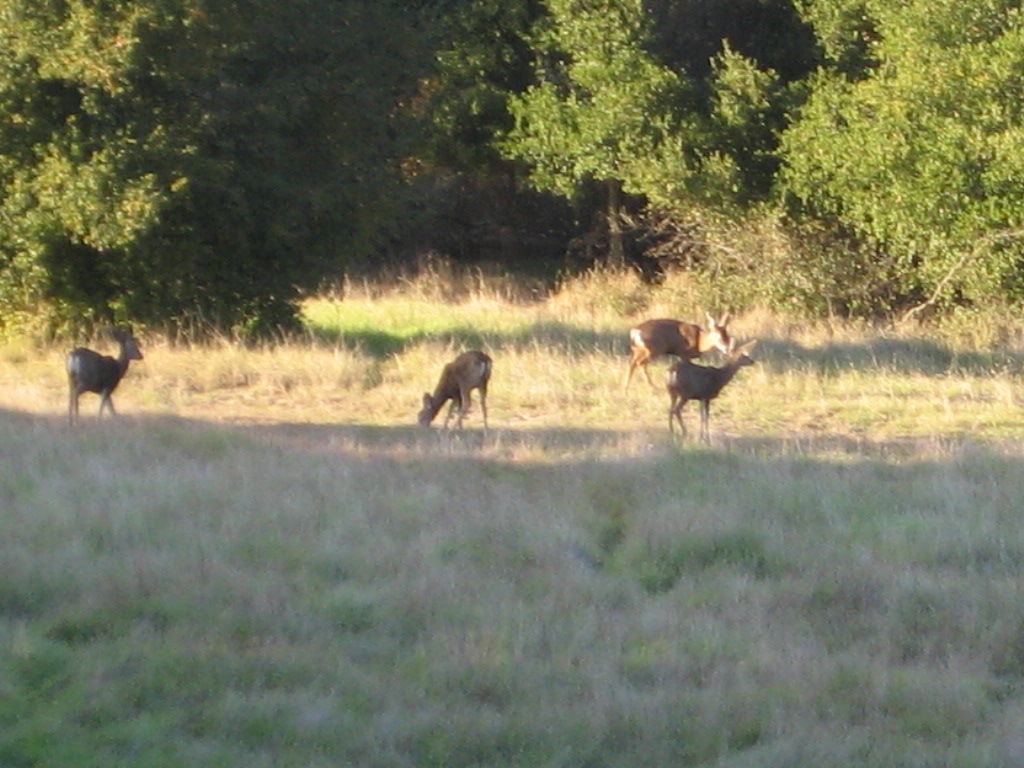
x: 604, y: 475
x: 529, y: 446
x: 548, y: 335
x: 824, y: 599
x: 900, y: 356
x: 412, y: 443
x: 613, y: 469
x: 404, y: 442
x: 550, y: 445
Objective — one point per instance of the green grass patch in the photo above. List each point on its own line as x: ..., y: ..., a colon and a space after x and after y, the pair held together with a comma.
x: 264, y: 562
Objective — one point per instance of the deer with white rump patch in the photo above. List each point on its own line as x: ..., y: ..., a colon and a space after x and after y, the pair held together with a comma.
x: 90, y: 371
x: 689, y: 381
x: 657, y: 338
x: 469, y: 371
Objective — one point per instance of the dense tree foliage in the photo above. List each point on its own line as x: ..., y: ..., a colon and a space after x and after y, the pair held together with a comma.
x: 602, y: 109
x: 602, y: 106
x: 923, y: 153
x: 203, y: 163
x: 176, y: 161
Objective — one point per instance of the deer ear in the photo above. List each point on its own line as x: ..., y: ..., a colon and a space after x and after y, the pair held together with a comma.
x: 748, y: 348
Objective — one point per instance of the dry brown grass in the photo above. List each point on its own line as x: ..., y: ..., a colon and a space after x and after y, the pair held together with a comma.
x: 264, y: 562
x: 558, y: 364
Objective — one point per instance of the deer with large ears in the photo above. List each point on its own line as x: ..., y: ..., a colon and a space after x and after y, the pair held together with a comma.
x: 90, y: 371
x: 657, y: 338
x: 469, y: 371
x: 689, y: 381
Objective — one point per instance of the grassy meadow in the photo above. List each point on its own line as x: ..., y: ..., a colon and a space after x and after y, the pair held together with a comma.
x: 264, y: 562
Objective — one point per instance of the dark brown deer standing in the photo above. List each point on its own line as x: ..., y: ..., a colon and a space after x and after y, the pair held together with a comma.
x: 656, y: 338
x: 689, y: 381
x: 90, y: 371
x: 469, y: 371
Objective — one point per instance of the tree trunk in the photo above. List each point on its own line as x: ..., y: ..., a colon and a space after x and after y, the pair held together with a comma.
x: 616, y: 250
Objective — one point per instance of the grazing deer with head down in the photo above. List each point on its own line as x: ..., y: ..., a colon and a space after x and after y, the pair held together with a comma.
x: 656, y: 338
x: 469, y: 371
x: 689, y: 381
x: 90, y: 371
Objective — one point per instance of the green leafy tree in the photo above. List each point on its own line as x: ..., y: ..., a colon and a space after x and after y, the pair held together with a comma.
x: 603, y: 110
x: 746, y: 114
x: 689, y: 34
x: 922, y: 154
x: 483, y: 58
x: 847, y: 32
x: 187, y: 161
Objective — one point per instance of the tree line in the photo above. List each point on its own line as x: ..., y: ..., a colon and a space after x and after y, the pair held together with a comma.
x: 193, y: 165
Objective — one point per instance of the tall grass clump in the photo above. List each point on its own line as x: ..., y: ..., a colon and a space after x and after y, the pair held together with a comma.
x: 601, y: 292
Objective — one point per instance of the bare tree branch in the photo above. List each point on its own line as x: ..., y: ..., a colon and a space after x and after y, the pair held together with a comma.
x: 979, y: 247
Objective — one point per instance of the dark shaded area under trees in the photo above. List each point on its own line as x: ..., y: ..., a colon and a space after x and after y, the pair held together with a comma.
x: 198, y: 165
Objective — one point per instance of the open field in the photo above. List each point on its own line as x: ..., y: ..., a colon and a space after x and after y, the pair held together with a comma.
x: 264, y: 562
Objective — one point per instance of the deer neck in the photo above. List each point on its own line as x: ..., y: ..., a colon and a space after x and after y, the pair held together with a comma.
x: 704, y: 341
x: 729, y: 370
x: 436, y: 401
x: 122, y: 361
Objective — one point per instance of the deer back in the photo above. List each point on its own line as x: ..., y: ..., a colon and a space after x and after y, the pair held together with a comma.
x: 705, y: 382
x: 90, y: 371
x: 692, y: 381
x: 663, y: 336
x: 470, y: 370
x: 667, y: 337
x: 477, y: 372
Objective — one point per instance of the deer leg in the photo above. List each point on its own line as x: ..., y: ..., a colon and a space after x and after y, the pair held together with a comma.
x: 647, y: 375
x: 675, y: 412
x: 72, y: 404
x: 451, y: 412
x: 639, y: 358
x: 460, y: 413
x: 705, y: 416
x: 483, y: 404
x: 466, y: 396
x: 106, y: 402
